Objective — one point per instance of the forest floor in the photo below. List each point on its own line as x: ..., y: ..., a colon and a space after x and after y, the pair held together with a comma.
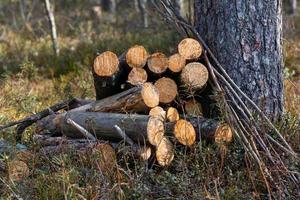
x: 41, y: 79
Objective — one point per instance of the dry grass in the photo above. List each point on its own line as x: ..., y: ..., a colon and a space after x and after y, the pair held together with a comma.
x: 34, y: 80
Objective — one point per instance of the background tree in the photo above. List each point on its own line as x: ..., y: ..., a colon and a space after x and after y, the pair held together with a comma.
x: 142, y: 5
x: 245, y: 36
x: 110, y: 7
x: 50, y: 14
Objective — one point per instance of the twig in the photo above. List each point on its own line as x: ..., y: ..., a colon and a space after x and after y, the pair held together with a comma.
x: 82, y: 130
x: 24, y: 123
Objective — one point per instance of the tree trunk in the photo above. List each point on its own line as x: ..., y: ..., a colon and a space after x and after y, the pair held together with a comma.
x: 144, y: 14
x: 110, y: 7
x: 179, y: 5
x: 245, y: 36
x: 51, y: 19
x: 293, y: 6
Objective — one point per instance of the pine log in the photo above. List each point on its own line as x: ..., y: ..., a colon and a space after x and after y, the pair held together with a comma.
x: 150, y: 95
x: 137, y: 76
x: 136, y: 56
x: 185, y: 132
x: 167, y: 90
x: 165, y: 152
x: 176, y: 63
x: 17, y: 170
x: 157, y: 63
x: 107, y: 72
x: 190, y: 49
x: 155, y: 130
x: 194, y: 76
x: 137, y: 99
x: 135, y: 126
x: 193, y: 107
x: 158, y: 112
x: 172, y: 114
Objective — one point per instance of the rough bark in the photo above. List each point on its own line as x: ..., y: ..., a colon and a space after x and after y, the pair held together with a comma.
x: 245, y: 36
x: 52, y: 24
x: 135, y: 126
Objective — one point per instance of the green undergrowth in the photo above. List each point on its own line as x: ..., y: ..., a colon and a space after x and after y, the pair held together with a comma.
x: 32, y: 79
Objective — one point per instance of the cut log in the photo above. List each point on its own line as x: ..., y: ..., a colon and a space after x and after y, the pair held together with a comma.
x: 17, y: 170
x: 194, y: 76
x: 135, y: 126
x: 144, y: 152
x: 155, y: 130
x: 150, y: 95
x: 106, y: 72
x: 190, y: 49
x: 172, y: 114
x: 167, y: 90
x: 137, y: 76
x: 158, y: 112
x: 176, y: 63
x: 165, y: 152
x: 193, y: 108
x: 185, y: 132
x: 106, y: 64
x: 157, y: 63
x: 128, y: 101
x: 136, y: 56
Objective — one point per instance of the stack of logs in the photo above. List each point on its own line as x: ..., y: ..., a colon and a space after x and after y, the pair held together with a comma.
x: 138, y: 100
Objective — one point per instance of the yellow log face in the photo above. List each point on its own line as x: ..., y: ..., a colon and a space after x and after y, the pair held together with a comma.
x: 176, y: 63
x: 223, y: 134
x: 150, y: 95
x: 158, y: 112
x: 194, y: 75
x: 144, y: 153
x: 190, y: 49
x: 167, y: 89
x: 137, y: 76
x: 185, y: 132
x: 165, y: 152
x: 155, y: 130
x: 137, y: 56
x: 192, y: 107
x: 106, y: 64
x: 172, y: 114
x: 158, y: 63
x: 17, y: 170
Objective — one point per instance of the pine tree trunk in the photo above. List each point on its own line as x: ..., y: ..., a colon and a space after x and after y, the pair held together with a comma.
x: 245, y: 36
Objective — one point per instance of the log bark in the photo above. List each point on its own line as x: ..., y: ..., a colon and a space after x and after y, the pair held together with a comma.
x: 248, y: 46
x: 167, y: 90
x: 135, y: 126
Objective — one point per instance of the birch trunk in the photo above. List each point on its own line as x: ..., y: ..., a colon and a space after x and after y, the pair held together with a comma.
x: 52, y: 24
